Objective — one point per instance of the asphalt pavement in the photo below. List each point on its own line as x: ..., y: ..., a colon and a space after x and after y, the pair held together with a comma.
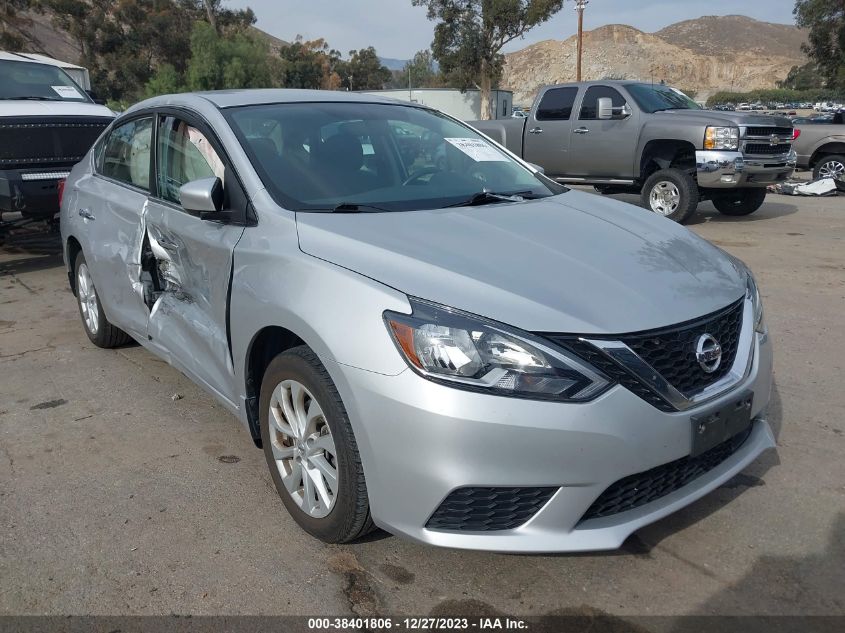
x: 125, y: 489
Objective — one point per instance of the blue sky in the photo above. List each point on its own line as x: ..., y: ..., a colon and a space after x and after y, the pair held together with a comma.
x: 398, y: 29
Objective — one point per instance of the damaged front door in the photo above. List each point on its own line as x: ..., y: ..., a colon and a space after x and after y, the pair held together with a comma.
x: 189, y: 260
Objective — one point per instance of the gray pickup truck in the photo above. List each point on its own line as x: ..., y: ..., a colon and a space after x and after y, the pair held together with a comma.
x: 821, y: 147
x: 625, y: 136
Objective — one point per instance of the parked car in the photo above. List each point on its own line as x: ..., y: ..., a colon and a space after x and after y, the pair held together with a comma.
x: 624, y: 136
x: 482, y: 378
x: 47, y: 124
x: 820, y: 146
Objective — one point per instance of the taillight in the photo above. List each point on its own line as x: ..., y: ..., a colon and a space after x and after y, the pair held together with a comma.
x: 61, y: 187
x: 795, y: 133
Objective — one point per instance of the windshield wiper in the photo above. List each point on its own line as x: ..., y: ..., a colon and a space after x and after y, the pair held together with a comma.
x: 28, y: 99
x: 347, y: 207
x: 489, y: 197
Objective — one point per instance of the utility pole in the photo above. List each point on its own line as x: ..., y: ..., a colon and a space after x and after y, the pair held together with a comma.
x: 410, y: 92
x: 580, y: 5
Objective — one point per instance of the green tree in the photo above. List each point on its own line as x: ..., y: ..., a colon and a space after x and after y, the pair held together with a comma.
x: 470, y: 35
x: 825, y: 21
x: 422, y: 70
x: 166, y: 80
x: 363, y: 71
x: 308, y: 64
x: 804, y: 77
x: 237, y: 60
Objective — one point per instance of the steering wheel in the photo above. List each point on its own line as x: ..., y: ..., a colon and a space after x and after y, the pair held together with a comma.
x: 425, y: 171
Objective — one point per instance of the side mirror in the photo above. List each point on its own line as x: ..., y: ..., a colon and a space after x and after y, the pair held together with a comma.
x: 538, y: 168
x: 204, y: 197
x: 95, y: 98
x: 605, y: 107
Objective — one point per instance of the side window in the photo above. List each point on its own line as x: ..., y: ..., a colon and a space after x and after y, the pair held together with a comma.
x: 556, y: 104
x: 126, y: 153
x: 184, y: 155
x: 589, y: 107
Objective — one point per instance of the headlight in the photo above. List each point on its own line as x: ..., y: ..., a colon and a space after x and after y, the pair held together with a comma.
x: 757, y: 302
x: 470, y: 352
x: 721, y: 138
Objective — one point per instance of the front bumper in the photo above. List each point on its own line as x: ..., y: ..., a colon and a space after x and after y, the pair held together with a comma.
x: 730, y: 170
x: 419, y: 441
x: 32, y: 192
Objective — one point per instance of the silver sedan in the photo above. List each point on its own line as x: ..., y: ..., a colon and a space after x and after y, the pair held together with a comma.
x: 421, y: 331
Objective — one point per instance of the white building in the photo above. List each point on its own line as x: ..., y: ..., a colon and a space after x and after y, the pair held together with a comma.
x: 465, y: 106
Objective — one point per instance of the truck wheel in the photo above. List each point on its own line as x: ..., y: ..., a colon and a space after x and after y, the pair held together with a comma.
x: 97, y: 326
x: 832, y: 166
x: 742, y: 202
x: 672, y: 193
x: 311, y: 450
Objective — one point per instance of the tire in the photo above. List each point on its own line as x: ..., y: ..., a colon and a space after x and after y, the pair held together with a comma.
x: 675, y: 194
x: 742, y: 202
x: 832, y: 165
x: 346, y: 516
x: 94, y: 322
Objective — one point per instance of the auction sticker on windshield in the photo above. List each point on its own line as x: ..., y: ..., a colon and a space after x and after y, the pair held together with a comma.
x: 67, y: 92
x: 477, y: 149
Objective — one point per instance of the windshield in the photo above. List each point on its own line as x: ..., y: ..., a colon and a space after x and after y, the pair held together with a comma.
x: 375, y: 157
x: 40, y: 82
x: 654, y: 98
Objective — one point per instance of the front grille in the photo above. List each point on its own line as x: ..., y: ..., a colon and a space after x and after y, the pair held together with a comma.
x: 40, y: 141
x: 615, y: 373
x: 488, y: 509
x: 767, y: 148
x: 670, y: 351
x: 768, y: 131
x: 642, y: 488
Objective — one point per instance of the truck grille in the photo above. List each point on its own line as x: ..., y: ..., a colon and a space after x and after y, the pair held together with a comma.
x: 40, y: 141
x: 768, y: 131
x: 767, y: 148
x: 642, y: 488
x: 488, y: 509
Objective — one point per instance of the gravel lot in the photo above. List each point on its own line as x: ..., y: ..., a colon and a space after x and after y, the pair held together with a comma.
x: 116, y: 498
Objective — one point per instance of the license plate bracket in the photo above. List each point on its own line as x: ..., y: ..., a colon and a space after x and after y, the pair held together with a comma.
x: 718, y: 425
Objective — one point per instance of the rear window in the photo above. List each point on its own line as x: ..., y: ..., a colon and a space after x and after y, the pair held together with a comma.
x: 556, y: 104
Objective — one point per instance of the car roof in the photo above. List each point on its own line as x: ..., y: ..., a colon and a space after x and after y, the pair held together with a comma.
x: 235, y: 98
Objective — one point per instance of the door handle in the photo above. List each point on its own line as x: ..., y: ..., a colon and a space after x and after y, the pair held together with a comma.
x: 581, y: 130
x: 86, y: 214
x: 167, y: 244
x: 535, y: 130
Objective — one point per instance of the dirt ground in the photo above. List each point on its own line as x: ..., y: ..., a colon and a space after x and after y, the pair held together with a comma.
x: 116, y: 498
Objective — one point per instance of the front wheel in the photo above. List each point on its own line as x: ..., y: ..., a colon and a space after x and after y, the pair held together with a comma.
x: 311, y: 450
x: 672, y: 193
x: 98, y: 328
x: 741, y: 202
x: 830, y: 167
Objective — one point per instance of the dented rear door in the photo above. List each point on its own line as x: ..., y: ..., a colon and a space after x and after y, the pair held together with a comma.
x: 192, y: 260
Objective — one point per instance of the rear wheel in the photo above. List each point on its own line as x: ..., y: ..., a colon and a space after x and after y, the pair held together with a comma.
x: 97, y: 326
x: 311, y: 450
x: 672, y: 193
x: 832, y: 166
x: 740, y: 202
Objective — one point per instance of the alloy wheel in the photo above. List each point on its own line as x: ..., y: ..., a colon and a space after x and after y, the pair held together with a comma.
x: 832, y: 169
x: 87, y: 297
x: 665, y: 197
x: 303, y: 448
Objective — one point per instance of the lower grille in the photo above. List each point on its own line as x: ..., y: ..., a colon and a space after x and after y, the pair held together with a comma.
x: 642, y: 488
x: 488, y: 509
x: 767, y: 148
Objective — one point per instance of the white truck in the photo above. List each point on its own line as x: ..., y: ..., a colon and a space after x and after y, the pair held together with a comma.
x: 48, y: 122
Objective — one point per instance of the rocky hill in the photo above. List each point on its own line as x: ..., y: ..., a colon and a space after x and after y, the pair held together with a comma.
x: 706, y: 54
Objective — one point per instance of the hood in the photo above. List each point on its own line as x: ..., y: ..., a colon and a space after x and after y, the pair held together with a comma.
x: 575, y: 263
x: 24, y: 107
x: 709, y: 117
